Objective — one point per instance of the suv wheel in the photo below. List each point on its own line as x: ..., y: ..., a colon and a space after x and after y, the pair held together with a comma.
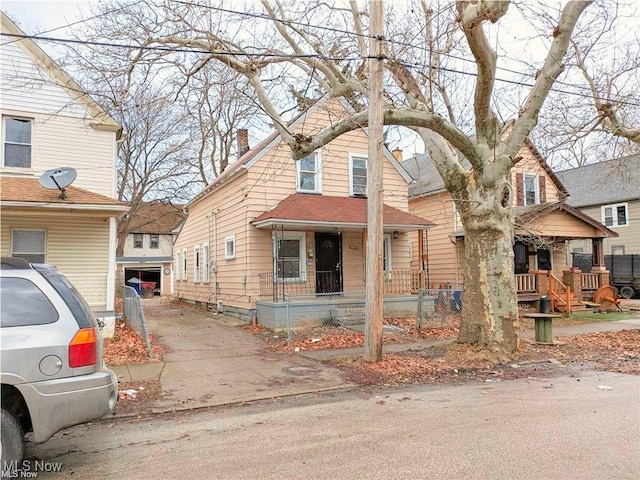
x: 12, y: 440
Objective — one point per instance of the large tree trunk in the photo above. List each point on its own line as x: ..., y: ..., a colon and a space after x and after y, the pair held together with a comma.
x: 490, y: 307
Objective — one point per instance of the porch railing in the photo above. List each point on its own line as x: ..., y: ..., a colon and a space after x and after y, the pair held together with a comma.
x: 315, y: 283
x: 590, y: 282
x: 526, y: 283
x: 403, y: 281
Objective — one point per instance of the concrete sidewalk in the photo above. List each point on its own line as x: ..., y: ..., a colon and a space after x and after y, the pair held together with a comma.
x: 211, y: 362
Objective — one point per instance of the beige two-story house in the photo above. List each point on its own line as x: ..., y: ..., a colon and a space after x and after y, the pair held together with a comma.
x: 50, y: 123
x: 544, y: 223
x: 270, y: 231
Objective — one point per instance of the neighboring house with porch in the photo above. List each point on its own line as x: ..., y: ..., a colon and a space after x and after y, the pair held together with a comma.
x: 147, y: 250
x: 269, y: 228
x: 608, y: 192
x: 544, y: 222
x: 49, y: 122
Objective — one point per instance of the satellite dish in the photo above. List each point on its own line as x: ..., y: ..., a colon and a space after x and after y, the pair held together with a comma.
x: 58, y: 179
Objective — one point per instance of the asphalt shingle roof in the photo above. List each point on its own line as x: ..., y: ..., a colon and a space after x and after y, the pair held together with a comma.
x: 29, y: 190
x: 341, y: 210
x: 156, y: 217
x: 602, y: 183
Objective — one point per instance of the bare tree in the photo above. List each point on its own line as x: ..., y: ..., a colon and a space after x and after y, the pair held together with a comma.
x: 595, y: 115
x: 288, y: 50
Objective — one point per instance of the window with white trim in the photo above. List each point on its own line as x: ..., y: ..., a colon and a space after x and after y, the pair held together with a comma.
x: 185, y: 275
x: 137, y: 240
x: 617, y: 249
x: 289, y: 256
x: 530, y: 188
x: 357, y: 174
x: 196, y: 264
x: 154, y: 240
x: 29, y: 243
x: 616, y: 215
x: 230, y: 247
x: 308, y: 174
x: 17, y: 138
x: 206, y: 272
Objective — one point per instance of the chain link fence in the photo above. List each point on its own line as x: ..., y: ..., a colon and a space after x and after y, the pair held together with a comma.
x: 437, y: 307
x: 133, y: 315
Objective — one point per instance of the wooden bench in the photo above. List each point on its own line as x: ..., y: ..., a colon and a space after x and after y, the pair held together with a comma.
x: 543, y: 326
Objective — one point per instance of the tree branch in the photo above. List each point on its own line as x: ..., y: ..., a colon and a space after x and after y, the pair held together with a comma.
x: 552, y: 68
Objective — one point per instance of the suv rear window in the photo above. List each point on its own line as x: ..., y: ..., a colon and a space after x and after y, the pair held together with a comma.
x: 76, y: 303
x: 22, y: 303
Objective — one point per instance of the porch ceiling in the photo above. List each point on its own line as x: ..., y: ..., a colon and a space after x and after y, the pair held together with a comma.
x: 318, y: 212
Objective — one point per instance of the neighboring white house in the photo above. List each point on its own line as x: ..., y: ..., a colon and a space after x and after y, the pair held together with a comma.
x: 609, y: 192
x: 49, y: 122
x: 147, y: 252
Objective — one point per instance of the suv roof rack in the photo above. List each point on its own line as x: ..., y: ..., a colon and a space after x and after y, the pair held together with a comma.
x: 14, y: 263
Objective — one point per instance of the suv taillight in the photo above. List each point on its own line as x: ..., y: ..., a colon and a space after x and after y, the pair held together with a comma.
x: 83, y: 348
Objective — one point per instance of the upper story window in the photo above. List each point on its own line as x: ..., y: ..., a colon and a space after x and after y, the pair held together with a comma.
x: 196, y: 264
x: 531, y: 190
x: 17, y: 142
x: 357, y: 174
x: 616, y: 215
x: 308, y: 173
x: 137, y: 240
x: 154, y: 240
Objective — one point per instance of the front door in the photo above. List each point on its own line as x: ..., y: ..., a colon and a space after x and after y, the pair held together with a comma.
x: 521, y: 258
x: 544, y: 259
x: 328, y: 262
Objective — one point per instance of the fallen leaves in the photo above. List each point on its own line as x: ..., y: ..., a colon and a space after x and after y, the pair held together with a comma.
x: 127, y: 346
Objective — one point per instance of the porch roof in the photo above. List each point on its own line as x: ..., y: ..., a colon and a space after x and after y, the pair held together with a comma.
x: 318, y: 211
x: 26, y: 192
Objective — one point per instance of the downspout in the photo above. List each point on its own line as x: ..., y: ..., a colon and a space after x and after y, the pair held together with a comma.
x: 215, y: 256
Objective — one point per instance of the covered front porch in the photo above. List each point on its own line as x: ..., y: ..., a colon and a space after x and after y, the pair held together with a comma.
x: 319, y: 258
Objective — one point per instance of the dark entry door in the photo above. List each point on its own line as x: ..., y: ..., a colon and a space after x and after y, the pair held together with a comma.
x: 521, y: 259
x: 328, y: 262
x: 544, y: 259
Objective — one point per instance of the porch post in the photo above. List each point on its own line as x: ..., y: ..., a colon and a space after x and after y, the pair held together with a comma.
x: 597, y: 261
x: 421, y: 258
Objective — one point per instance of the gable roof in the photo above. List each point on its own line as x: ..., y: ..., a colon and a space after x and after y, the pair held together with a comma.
x: 156, y: 217
x: 102, y: 119
x: 321, y: 210
x: 27, y: 192
x: 428, y: 181
x: 250, y: 157
x: 609, y: 181
x: 530, y: 212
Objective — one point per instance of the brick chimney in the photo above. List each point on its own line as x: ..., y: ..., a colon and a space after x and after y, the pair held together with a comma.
x: 243, y: 141
x: 397, y: 153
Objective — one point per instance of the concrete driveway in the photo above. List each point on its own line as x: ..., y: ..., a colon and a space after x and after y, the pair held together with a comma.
x: 211, y: 362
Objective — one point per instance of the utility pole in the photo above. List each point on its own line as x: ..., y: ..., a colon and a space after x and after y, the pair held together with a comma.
x: 374, y: 271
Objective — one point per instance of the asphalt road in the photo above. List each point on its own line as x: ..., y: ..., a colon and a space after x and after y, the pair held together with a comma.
x: 584, y: 427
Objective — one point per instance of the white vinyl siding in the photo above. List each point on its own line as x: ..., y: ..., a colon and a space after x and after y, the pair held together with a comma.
x: 16, y: 144
x: 65, y: 238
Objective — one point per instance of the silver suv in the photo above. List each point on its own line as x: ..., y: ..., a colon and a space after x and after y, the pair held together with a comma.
x: 51, y: 366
